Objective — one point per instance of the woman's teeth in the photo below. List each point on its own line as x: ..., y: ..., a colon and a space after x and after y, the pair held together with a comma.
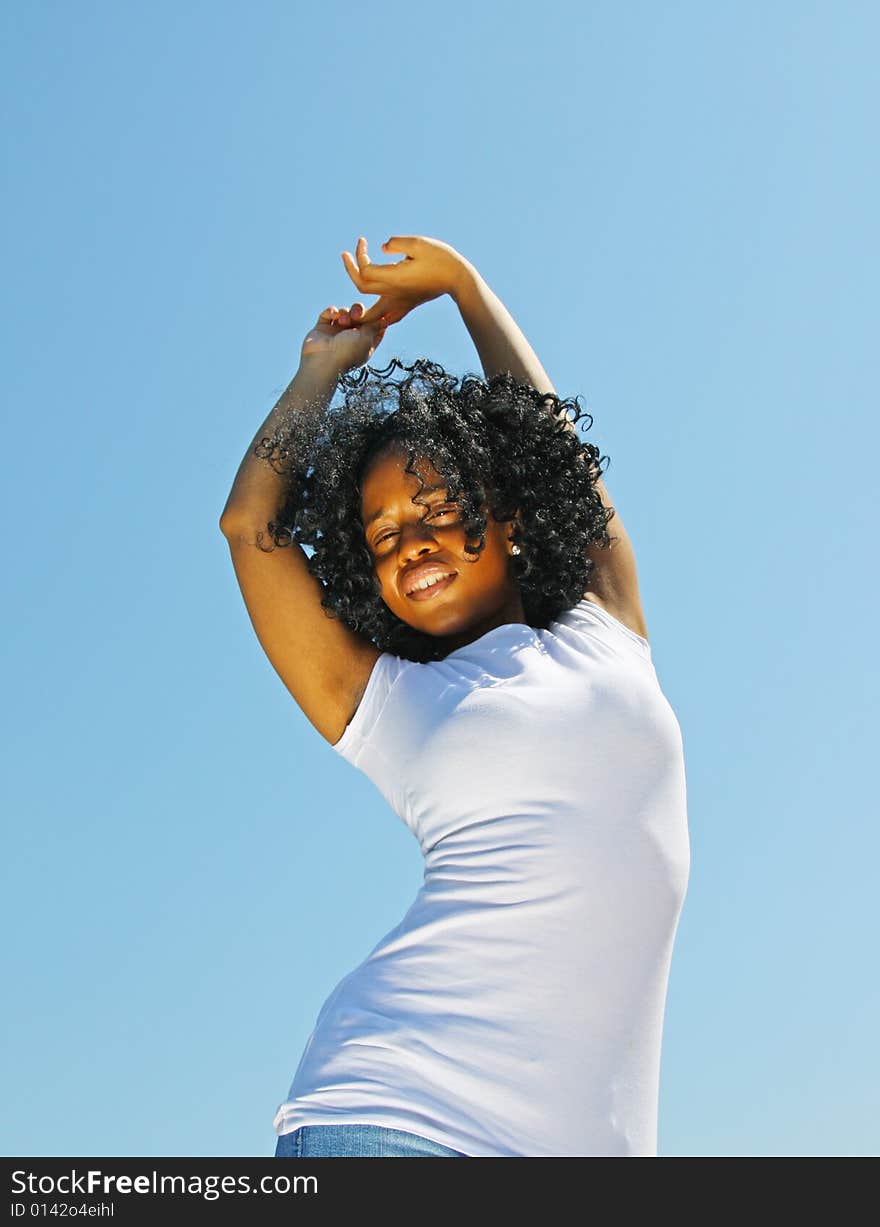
x: 428, y: 583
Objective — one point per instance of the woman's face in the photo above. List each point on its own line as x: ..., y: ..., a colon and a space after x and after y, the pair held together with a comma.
x: 411, y: 541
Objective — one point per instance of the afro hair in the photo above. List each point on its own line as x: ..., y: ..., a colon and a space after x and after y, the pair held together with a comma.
x: 497, y: 441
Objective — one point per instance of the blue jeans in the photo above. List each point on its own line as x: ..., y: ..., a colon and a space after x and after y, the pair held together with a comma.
x: 359, y: 1142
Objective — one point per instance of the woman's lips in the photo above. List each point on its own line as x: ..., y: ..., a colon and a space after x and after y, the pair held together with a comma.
x: 425, y: 594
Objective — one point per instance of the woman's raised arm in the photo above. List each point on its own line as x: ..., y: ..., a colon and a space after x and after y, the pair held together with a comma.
x: 323, y: 664
x: 503, y: 347
x: 499, y: 340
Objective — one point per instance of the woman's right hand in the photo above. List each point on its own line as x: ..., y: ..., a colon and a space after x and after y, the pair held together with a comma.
x: 431, y: 268
x: 341, y: 340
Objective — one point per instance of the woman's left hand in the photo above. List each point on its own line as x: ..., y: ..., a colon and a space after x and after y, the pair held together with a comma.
x: 430, y: 268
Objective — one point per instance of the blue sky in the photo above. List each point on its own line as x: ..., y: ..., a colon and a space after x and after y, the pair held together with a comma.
x: 674, y: 201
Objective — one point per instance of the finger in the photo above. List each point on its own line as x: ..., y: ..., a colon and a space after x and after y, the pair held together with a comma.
x: 358, y: 266
x: 371, y: 279
x: 353, y: 270
x: 377, y: 310
x: 363, y: 258
x: 364, y: 273
x: 403, y: 244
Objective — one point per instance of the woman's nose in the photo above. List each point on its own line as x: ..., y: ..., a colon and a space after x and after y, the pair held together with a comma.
x: 415, y: 538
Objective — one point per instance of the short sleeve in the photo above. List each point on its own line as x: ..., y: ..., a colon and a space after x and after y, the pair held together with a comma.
x: 386, y: 671
x: 589, y: 613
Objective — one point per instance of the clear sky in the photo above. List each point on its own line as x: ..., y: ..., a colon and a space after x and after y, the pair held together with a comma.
x: 674, y: 201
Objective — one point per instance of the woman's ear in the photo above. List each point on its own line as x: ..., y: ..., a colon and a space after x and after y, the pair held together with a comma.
x: 510, y: 525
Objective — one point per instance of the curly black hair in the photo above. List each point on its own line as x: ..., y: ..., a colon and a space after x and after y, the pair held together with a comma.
x: 498, y: 441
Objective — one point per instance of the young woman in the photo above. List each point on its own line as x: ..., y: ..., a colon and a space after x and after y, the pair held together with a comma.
x: 467, y: 634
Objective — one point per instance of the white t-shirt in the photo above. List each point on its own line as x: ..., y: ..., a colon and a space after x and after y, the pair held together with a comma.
x: 517, y: 1008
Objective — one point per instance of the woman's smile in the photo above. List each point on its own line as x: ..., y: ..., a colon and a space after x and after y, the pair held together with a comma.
x: 429, y: 587
x: 416, y: 535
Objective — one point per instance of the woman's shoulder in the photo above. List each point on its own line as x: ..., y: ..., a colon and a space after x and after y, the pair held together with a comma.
x: 370, y: 691
x: 630, y: 617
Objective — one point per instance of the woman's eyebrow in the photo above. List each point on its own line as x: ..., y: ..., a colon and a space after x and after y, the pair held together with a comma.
x: 426, y: 490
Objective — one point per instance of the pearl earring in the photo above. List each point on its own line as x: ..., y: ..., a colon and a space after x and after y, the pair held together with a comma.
x: 515, y: 550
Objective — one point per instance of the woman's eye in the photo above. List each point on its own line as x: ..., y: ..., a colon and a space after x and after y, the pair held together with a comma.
x: 442, y: 511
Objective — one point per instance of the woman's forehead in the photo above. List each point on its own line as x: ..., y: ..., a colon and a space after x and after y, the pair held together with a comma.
x: 390, y: 471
